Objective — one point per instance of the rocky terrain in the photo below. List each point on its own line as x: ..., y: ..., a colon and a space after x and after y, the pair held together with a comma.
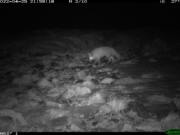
x: 48, y: 84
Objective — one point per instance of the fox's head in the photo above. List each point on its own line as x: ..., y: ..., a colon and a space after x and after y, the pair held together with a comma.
x: 91, y: 58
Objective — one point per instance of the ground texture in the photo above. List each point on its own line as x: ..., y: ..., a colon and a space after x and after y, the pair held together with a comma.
x: 48, y: 84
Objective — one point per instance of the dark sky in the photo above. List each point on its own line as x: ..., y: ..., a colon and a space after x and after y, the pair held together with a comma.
x: 16, y: 17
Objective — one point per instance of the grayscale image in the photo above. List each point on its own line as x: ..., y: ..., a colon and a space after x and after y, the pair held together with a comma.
x: 89, y: 67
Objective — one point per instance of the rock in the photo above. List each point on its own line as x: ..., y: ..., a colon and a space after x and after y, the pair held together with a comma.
x: 56, y: 113
x: 14, y: 115
x: 130, y: 80
x: 55, y: 81
x: 139, y: 88
x: 54, y: 92
x: 177, y: 102
x: 89, y: 84
x: 105, y: 70
x: 33, y: 96
x: 133, y: 61
x: 107, y: 81
x: 176, y: 58
x: 149, y: 125
x: 172, y: 121
x: 27, y: 79
x: 128, y: 128
x: 81, y: 75
x: 7, y: 123
x: 96, y: 99
x: 118, y: 104
x: 31, y: 104
x: 159, y: 99
x: 53, y: 104
x: 151, y: 76
x: 44, y: 83
x: 75, y: 128
x: 76, y: 91
x: 104, y: 109
x: 61, y: 121
x: 152, y: 60
x: 134, y: 115
x: 89, y: 78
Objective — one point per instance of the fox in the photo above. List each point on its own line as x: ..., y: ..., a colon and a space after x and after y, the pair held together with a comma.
x: 97, y: 54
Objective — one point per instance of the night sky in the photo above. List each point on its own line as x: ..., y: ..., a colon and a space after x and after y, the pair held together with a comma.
x: 16, y: 18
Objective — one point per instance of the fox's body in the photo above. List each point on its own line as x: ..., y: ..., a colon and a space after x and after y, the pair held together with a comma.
x: 103, y: 52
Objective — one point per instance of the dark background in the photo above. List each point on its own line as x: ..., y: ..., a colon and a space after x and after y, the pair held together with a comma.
x: 18, y: 18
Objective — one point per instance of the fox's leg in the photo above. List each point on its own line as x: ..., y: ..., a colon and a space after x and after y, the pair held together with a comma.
x: 111, y: 59
x: 97, y: 62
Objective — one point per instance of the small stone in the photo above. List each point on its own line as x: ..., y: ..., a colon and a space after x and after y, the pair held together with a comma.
x: 55, y: 92
x: 44, y: 83
x: 127, y: 128
x: 89, y: 84
x: 81, y: 75
x: 152, y: 60
x: 107, y: 81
